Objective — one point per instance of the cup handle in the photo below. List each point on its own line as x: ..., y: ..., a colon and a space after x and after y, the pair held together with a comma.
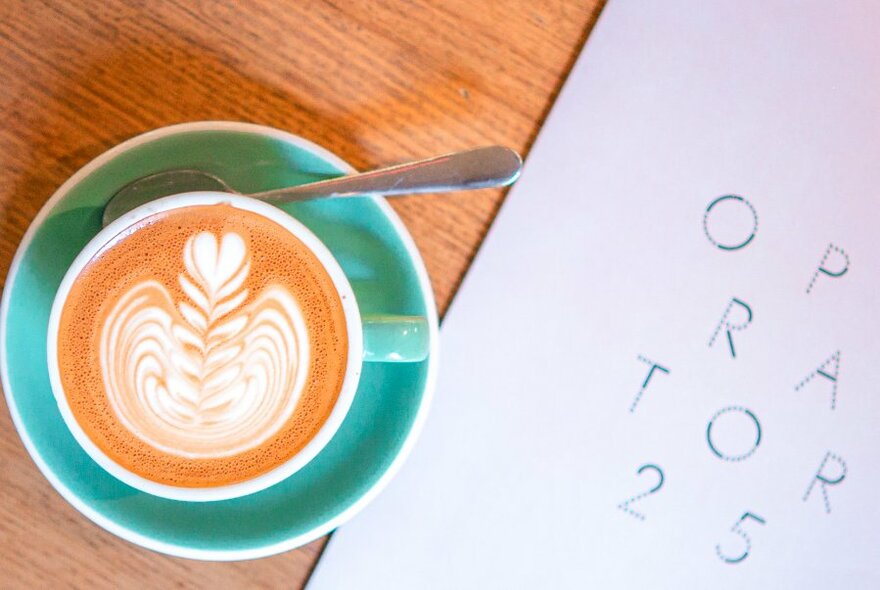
x: 395, y: 339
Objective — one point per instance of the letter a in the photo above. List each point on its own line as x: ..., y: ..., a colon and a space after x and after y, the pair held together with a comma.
x: 827, y: 371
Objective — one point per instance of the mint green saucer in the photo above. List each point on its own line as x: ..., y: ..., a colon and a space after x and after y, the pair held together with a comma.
x: 381, y: 262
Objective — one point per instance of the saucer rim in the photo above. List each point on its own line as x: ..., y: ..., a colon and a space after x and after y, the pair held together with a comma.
x: 174, y: 549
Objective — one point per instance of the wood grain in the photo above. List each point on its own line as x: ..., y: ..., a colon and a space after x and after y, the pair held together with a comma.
x: 376, y: 82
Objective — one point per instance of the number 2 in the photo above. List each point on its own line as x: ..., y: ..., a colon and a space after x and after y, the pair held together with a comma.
x: 737, y: 530
x: 625, y: 504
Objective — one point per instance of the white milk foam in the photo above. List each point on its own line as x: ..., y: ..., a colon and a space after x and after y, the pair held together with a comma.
x: 205, y: 376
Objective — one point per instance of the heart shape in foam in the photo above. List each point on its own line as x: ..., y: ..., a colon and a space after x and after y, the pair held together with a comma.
x: 213, y: 373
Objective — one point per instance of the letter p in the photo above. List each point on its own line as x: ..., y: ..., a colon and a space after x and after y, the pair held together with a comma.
x: 834, y: 264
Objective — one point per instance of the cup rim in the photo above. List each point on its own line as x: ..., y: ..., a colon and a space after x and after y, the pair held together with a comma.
x: 347, y: 391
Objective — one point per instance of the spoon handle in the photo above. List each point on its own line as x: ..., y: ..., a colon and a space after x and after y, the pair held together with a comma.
x: 477, y: 168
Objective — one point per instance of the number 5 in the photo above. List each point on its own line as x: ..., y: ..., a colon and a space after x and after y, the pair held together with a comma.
x: 737, y: 530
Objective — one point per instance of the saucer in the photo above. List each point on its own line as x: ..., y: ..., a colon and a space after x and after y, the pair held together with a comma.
x: 377, y: 255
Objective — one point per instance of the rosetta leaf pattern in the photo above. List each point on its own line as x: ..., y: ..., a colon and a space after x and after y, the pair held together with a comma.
x: 209, y: 374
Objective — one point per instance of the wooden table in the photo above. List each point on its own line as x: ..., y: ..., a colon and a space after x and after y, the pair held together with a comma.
x: 376, y: 82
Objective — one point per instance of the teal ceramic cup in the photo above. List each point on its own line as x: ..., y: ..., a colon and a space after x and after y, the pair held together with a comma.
x: 371, y: 338
x: 387, y: 413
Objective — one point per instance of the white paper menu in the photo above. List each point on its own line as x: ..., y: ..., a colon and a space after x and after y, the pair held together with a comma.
x: 661, y: 370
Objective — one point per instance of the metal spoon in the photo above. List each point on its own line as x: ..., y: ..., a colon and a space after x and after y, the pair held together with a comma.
x: 478, y: 168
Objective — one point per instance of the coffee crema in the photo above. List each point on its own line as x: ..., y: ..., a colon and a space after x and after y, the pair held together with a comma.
x: 202, y: 346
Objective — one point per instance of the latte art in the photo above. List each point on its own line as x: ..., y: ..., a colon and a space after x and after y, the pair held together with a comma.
x: 205, y: 376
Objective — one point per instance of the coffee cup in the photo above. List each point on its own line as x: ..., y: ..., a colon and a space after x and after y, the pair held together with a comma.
x: 206, y: 346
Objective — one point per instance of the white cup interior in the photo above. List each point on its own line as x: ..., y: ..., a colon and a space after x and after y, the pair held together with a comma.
x: 352, y: 374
